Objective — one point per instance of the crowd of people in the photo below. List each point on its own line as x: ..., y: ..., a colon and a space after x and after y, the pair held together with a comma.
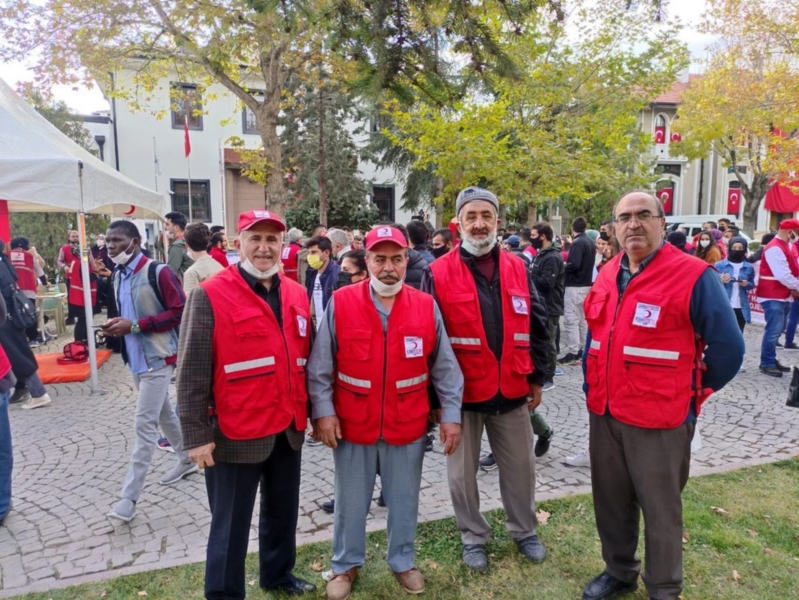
x: 379, y: 338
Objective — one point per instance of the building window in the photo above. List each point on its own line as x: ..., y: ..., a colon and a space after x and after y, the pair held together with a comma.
x: 200, y: 198
x: 669, y: 170
x: 186, y: 103
x: 383, y: 198
x: 248, y: 122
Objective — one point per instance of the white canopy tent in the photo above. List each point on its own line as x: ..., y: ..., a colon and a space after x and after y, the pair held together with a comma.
x: 42, y: 170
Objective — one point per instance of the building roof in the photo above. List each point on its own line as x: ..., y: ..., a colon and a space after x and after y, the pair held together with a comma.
x: 674, y: 95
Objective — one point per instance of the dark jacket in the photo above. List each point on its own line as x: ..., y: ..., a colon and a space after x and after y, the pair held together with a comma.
x: 490, y: 309
x: 580, y: 265
x: 548, y: 275
x: 328, y: 280
x: 425, y: 252
x: 416, y: 266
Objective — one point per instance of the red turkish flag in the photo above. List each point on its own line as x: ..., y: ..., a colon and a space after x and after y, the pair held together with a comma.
x: 660, y: 134
x: 733, y: 201
x: 676, y: 137
x: 186, y: 140
x: 666, y: 196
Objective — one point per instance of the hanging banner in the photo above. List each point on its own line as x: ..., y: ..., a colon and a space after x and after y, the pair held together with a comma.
x: 676, y: 137
x: 666, y: 196
x: 660, y: 134
x: 733, y: 201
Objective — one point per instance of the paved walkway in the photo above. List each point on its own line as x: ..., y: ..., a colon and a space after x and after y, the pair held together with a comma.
x: 71, y: 457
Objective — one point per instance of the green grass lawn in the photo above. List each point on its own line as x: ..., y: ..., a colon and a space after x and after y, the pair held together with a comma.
x: 748, y: 549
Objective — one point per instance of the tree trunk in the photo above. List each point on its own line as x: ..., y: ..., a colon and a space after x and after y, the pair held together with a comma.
x: 322, y: 155
x: 753, y: 194
x: 440, y: 205
x: 266, y: 117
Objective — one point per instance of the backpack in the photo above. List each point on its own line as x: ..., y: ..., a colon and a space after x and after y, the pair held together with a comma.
x: 22, y: 311
x: 152, y: 277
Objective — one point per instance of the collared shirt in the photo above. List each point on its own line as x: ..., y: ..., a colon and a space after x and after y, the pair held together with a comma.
x: 445, y: 372
x: 270, y: 296
x: 135, y: 352
x: 625, y: 275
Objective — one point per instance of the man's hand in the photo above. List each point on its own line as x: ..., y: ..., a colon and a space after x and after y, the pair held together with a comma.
x: 450, y: 437
x: 118, y: 327
x: 203, y: 455
x: 725, y: 278
x: 534, y: 398
x: 743, y: 282
x: 328, y: 430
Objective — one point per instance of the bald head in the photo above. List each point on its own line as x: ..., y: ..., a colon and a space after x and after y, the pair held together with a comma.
x: 639, y: 225
x: 656, y: 205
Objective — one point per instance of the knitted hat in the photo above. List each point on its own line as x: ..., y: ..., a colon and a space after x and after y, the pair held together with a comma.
x: 475, y: 193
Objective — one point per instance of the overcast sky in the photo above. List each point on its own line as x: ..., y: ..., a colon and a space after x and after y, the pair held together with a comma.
x: 86, y: 101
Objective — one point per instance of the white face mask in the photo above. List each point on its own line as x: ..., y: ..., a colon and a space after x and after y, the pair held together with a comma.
x: 704, y: 243
x: 384, y: 289
x: 258, y: 274
x: 479, y: 247
x: 123, y: 257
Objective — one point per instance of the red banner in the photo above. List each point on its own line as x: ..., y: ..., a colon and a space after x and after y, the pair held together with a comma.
x: 660, y: 134
x: 733, y: 201
x: 666, y: 196
x: 676, y: 137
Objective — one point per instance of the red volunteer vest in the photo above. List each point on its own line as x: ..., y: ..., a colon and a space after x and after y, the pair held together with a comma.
x: 23, y: 263
x: 457, y: 296
x: 76, y: 286
x: 69, y: 258
x: 645, y: 359
x: 768, y: 287
x: 259, y: 367
x: 381, y: 380
x: 289, y: 259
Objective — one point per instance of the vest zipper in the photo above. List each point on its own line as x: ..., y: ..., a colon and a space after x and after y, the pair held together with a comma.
x: 610, y: 337
x: 385, y: 369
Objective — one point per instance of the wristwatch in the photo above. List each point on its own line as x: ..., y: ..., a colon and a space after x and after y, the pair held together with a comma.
x: 134, y: 327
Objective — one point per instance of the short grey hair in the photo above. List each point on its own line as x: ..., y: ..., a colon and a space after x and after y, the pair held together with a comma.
x: 338, y: 236
x: 295, y: 235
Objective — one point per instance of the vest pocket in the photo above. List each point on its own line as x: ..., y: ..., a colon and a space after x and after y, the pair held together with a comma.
x: 412, y: 400
x: 249, y: 322
x: 462, y: 308
x: 355, y: 344
x: 470, y: 361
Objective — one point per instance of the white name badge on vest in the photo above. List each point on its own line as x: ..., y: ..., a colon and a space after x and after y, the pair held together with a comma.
x: 302, y: 324
x: 519, y: 305
x: 413, y: 347
x: 286, y: 252
x: 646, y: 315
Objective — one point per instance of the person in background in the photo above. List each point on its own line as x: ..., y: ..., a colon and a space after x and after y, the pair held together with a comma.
x: 579, y: 276
x: 217, y: 229
x: 707, y: 249
x: 302, y: 256
x: 738, y: 277
x: 443, y: 242
x: 724, y: 224
x: 513, y: 245
x: 7, y: 382
x: 203, y: 266
x: 288, y: 256
x: 525, y: 242
x: 417, y: 233
x: 218, y: 248
x: 29, y: 271
x: 357, y: 241
x: 339, y: 241
x: 66, y: 259
x: 320, y: 281
x: 758, y: 254
x: 178, y: 259
x: 353, y: 268
x: 75, y: 296
x: 678, y: 239
x: 416, y: 262
x: 604, y: 253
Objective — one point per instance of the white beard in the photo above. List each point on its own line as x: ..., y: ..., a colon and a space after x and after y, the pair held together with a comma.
x: 479, y: 247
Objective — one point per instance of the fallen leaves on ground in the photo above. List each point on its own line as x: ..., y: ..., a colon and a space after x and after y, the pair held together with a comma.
x: 316, y: 567
x: 736, y: 577
x: 543, y: 517
x: 431, y: 563
x: 718, y: 510
x: 142, y: 593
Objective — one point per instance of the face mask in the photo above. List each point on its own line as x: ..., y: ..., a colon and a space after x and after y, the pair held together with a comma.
x: 479, y: 248
x: 440, y: 251
x: 258, y: 274
x: 343, y: 279
x: 123, y: 257
x: 384, y: 289
x: 736, y: 256
x: 315, y: 262
x: 536, y: 243
x: 704, y: 243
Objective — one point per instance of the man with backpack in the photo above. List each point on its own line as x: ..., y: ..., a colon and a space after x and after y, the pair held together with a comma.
x: 150, y: 301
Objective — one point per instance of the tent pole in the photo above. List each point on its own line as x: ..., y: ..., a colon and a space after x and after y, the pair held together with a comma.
x: 87, y: 288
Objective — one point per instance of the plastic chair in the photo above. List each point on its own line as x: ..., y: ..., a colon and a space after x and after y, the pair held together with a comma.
x: 53, y: 307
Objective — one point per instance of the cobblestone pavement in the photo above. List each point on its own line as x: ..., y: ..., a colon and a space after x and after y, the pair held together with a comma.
x: 71, y: 457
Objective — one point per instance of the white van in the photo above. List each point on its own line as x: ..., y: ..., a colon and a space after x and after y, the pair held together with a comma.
x: 692, y: 224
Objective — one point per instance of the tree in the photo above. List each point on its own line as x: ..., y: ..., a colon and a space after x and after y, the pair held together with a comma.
x: 745, y: 106
x: 48, y: 230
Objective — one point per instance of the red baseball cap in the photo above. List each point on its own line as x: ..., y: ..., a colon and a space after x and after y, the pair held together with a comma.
x: 384, y: 233
x: 790, y: 224
x: 251, y: 217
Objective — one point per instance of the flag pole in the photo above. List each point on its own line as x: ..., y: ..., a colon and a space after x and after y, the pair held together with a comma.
x: 187, y: 150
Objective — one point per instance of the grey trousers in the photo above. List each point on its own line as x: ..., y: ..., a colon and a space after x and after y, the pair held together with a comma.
x: 511, y: 439
x: 401, y: 478
x: 152, y: 409
x: 636, y: 470
x: 574, y: 325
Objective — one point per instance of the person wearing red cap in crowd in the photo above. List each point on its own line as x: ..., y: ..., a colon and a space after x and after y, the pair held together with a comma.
x: 244, y: 408
x: 777, y: 287
x: 381, y: 344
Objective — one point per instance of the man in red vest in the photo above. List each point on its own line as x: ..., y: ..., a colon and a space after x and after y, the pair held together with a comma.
x: 289, y: 254
x: 497, y: 324
x: 66, y: 260
x: 244, y: 408
x: 777, y: 288
x: 662, y: 338
x: 380, y: 346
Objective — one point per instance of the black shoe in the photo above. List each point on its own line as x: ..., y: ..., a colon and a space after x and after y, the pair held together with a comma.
x: 791, y: 347
x: 381, y: 502
x: 782, y: 367
x: 71, y: 321
x: 294, y: 587
x: 428, y: 445
x: 773, y: 371
x: 475, y: 557
x: 568, y: 359
x: 488, y: 462
x: 328, y: 506
x: 779, y: 345
x: 542, y: 443
x: 21, y: 394
x: 606, y: 586
x: 532, y: 548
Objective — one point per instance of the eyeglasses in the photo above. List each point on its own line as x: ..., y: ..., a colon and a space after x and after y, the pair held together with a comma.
x: 641, y: 217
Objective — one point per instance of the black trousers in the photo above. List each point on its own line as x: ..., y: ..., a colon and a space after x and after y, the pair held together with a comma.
x: 739, y: 316
x: 232, y: 489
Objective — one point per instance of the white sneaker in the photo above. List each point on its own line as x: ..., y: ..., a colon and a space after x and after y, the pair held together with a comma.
x: 581, y: 459
x: 124, y: 510
x: 178, y: 472
x: 37, y: 402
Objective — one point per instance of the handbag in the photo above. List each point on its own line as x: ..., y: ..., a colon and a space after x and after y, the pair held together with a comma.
x: 22, y: 311
x: 74, y: 352
x: 793, y: 389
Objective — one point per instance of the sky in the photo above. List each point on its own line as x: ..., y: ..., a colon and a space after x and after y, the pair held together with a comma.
x: 86, y: 101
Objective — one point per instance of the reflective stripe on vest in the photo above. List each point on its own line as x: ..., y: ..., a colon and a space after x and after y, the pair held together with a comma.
x: 301, y: 362
x: 363, y: 383
x: 765, y: 278
x: 649, y: 353
x: 267, y: 361
x: 465, y: 341
x: 404, y: 383
x: 521, y: 337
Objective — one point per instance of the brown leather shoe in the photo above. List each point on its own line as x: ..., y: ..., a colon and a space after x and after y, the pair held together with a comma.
x: 412, y: 581
x: 340, y: 586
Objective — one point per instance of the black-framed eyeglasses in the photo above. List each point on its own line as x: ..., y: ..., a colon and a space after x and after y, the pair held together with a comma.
x: 642, y: 217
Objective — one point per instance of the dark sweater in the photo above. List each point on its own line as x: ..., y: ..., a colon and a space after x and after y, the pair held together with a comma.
x: 580, y: 265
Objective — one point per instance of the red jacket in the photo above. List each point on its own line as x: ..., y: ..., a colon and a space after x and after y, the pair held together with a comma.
x: 23, y: 263
x: 219, y: 256
x: 259, y: 367
x: 289, y: 259
x: 645, y: 360
x: 381, y: 379
x: 5, y: 364
x: 76, y: 285
x: 456, y: 291
x: 768, y: 287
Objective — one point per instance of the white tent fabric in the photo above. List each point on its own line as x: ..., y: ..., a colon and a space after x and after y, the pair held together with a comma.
x: 39, y: 169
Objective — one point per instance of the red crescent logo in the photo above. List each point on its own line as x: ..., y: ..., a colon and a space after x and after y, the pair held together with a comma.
x: 131, y: 211
x: 648, y: 314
